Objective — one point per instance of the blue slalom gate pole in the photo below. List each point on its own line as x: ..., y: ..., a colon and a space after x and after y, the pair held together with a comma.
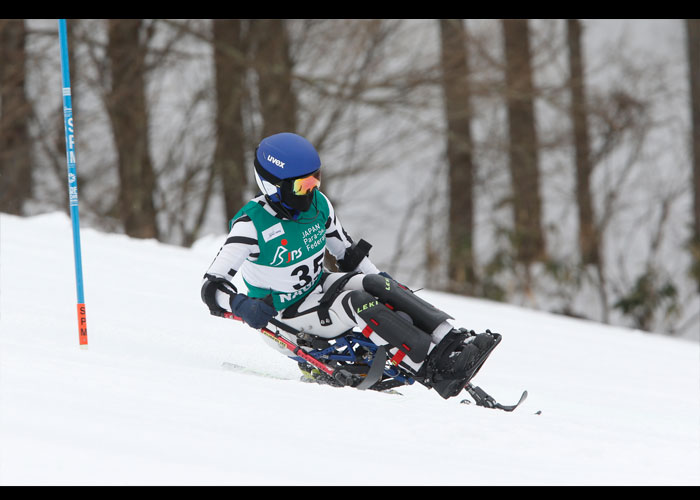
x: 72, y: 181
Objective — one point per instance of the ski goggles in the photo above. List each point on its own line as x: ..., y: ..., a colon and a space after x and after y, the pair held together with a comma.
x: 304, y: 185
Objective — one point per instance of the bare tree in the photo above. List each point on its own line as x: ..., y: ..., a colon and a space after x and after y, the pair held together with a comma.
x: 587, y: 233
x: 127, y: 108
x: 15, y: 110
x: 693, y: 44
x: 455, y: 83
x: 273, y: 64
x: 528, y: 236
x: 230, y: 66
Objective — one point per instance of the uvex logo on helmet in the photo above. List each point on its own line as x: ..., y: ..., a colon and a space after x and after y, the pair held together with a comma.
x: 274, y: 160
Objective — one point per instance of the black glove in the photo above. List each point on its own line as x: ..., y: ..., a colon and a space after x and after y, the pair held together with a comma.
x: 254, y: 312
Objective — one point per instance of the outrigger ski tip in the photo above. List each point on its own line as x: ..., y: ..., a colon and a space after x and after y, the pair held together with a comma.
x: 481, y: 398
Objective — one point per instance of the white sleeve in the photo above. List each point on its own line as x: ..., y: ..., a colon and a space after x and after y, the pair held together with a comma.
x: 366, y: 266
x: 241, y: 244
x: 337, y: 240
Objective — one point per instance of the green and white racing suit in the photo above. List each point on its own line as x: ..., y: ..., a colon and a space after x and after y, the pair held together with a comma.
x: 284, y: 258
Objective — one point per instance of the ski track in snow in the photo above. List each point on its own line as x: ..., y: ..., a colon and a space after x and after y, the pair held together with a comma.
x: 148, y: 403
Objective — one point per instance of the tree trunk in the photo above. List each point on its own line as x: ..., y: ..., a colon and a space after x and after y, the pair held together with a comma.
x: 587, y: 233
x: 230, y: 69
x: 127, y: 108
x: 528, y: 236
x: 693, y: 41
x: 15, y: 110
x: 455, y: 84
x: 273, y: 63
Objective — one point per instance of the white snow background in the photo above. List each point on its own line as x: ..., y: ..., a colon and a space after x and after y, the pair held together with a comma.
x: 148, y: 402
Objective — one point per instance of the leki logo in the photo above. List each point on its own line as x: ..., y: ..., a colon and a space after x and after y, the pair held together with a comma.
x: 366, y: 306
x: 274, y: 160
x: 283, y: 256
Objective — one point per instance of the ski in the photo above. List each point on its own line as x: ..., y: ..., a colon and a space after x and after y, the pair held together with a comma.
x: 481, y: 398
x: 386, y: 388
x: 249, y: 371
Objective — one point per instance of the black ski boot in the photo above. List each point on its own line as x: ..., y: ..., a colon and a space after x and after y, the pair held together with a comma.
x: 455, y: 360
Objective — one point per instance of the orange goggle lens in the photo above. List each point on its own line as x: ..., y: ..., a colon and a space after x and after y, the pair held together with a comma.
x: 305, y: 185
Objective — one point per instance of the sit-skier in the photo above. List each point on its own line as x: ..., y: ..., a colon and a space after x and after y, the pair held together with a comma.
x: 277, y: 243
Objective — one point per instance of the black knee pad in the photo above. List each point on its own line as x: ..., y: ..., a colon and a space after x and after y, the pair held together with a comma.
x: 426, y: 316
x: 396, y: 330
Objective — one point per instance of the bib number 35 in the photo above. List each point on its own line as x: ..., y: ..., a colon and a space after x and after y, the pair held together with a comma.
x: 302, y: 272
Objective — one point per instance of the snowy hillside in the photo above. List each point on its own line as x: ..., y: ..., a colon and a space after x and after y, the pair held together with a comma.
x: 148, y: 403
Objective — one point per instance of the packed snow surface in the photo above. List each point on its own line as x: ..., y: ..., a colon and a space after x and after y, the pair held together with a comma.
x: 148, y: 402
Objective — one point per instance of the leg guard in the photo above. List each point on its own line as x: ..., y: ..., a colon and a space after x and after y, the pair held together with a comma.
x: 426, y: 316
x: 397, y: 331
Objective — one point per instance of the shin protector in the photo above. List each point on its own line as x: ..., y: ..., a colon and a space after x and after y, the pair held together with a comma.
x: 399, y: 332
x: 425, y: 316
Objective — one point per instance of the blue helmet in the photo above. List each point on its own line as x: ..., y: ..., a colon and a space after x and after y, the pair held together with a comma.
x: 287, y: 170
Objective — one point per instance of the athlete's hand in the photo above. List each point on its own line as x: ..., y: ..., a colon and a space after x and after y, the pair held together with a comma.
x: 254, y: 312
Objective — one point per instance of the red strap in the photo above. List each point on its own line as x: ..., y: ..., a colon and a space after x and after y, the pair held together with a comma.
x: 398, y: 357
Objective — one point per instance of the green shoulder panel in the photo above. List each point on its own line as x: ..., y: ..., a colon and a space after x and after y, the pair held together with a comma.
x: 244, y: 210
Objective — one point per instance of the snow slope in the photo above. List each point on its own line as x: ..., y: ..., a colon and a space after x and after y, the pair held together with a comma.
x: 148, y: 402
